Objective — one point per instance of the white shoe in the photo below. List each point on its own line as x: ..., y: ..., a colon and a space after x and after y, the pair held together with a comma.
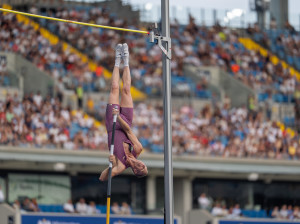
x: 119, y: 49
x: 125, y: 51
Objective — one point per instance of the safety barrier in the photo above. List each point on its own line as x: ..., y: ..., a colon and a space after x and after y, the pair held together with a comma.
x: 46, y: 218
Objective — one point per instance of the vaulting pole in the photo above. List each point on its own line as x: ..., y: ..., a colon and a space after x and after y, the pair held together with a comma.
x: 112, y: 144
x: 168, y: 183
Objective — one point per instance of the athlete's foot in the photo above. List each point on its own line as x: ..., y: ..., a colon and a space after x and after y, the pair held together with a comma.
x: 125, y: 54
x: 119, y: 50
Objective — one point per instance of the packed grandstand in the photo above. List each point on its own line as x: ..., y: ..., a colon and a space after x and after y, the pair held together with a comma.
x: 219, y: 131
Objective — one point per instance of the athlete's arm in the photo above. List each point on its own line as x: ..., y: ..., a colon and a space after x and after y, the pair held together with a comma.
x: 117, y: 169
x: 137, y: 146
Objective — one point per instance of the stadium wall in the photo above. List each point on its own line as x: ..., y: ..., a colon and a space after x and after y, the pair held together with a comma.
x: 44, y: 218
x: 8, y: 215
x: 32, y: 79
x: 222, y: 83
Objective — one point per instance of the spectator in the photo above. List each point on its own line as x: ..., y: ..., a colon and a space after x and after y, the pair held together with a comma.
x: 35, y: 205
x: 284, y: 212
x: 225, y: 211
x: 237, y: 212
x: 275, y: 213
x: 125, y: 209
x: 2, y: 198
x: 91, y: 209
x: 217, y: 211
x: 79, y: 93
x: 204, y: 202
x: 290, y: 211
x: 90, y: 105
x: 296, y: 213
x: 116, y: 208
x: 60, y: 89
x: 16, y: 205
x: 69, y: 207
x: 28, y: 206
x: 230, y: 214
x: 81, y: 206
x: 268, y: 106
x: 37, y: 99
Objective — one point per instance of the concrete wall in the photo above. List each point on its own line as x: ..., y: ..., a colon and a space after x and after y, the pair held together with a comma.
x: 221, y: 83
x: 234, y: 89
x: 183, y: 199
x: 198, y: 216
x: 8, y: 215
x: 33, y: 79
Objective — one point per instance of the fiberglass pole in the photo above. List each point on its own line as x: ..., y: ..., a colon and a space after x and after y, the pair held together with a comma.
x: 168, y: 183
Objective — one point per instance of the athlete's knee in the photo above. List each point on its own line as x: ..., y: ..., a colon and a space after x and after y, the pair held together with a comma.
x: 114, y: 87
x: 126, y: 89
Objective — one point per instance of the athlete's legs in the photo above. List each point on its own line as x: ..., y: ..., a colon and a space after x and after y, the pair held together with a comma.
x: 114, y: 89
x: 126, y: 98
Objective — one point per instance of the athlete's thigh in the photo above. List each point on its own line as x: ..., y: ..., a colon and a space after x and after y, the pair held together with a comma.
x: 126, y: 100
x: 113, y: 98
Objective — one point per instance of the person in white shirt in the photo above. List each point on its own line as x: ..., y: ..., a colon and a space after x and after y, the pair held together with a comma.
x: 81, y: 206
x: 116, y: 208
x: 125, y: 209
x: 69, y: 207
x: 2, y: 198
x: 217, y: 210
x: 283, y: 212
x: 237, y: 210
x: 91, y: 209
x: 204, y: 202
x: 38, y: 99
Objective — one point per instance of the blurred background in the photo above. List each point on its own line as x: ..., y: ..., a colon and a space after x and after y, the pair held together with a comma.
x: 235, y: 119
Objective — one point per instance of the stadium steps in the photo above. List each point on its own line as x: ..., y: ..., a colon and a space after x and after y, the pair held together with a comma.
x: 252, y: 45
x: 54, y: 39
x: 221, y: 83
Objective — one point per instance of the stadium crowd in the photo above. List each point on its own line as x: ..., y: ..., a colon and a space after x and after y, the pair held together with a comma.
x: 44, y: 123
x: 26, y: 41
x: 283, y: 42
x: 81, y: 207
x: 220, y: 209
x: 193, y: 44
x: 225, y: 131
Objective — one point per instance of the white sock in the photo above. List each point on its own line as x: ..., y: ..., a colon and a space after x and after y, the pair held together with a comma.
x: 125, y: 54
x: 126, y: 61
x: 117, y: 61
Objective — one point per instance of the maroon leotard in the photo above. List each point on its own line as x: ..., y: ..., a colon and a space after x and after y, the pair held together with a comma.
x: 120, y: 136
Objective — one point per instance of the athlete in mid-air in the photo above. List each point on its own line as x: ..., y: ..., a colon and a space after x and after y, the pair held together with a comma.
x: 127, y: 147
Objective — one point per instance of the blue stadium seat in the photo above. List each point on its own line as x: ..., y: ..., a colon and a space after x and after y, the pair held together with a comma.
x: 157, y: 148
x: 51, y: 208
x: 254, y: 213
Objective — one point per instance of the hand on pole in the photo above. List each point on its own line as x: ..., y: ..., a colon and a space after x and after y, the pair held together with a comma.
x: 113, y: 160
x: 115, y: 112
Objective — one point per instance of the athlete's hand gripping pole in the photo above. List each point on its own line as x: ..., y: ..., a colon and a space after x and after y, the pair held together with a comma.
x: 110, y: 169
